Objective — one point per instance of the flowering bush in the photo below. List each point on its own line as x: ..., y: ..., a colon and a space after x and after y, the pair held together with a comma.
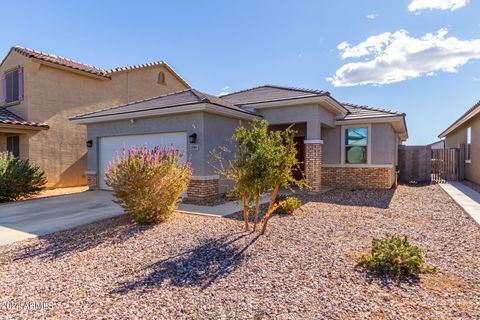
x: 19, y: 178
x: 148, y: 183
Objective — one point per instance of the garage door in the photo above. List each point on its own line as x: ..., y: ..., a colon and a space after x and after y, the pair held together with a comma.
x: 109, y: 147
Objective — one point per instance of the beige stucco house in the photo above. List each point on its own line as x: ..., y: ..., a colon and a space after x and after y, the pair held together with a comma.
x: 41, y: 91
x: 465, y: 132
x: 339, y: 144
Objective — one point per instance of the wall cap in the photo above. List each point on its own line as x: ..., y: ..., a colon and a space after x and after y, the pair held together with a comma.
x: 212, y: 177
x: 317, y: 141
x: 90, y: 173
x: 358, y: 166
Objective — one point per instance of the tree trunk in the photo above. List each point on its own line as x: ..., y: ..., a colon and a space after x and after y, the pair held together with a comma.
x: 257, y: 209
x: 245, y: 211
x: 275, y: 190
x: 270, y: 208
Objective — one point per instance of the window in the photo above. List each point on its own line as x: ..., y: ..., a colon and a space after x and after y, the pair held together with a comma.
x: 161, y: 78
x: 13, y: 145
x: 356, y: 145
x: 468, y: 149
x: 12, y: 83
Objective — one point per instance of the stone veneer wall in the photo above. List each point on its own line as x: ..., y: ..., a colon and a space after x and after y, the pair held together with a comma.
x: 313, y: 166
x: 359, y: 177
x: 202, y: 188
x: 92, y: 181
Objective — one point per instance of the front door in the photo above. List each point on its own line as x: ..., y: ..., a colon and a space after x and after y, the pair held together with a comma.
x: 298, y: 172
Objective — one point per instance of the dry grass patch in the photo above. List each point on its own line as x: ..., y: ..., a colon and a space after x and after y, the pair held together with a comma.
x: 442, y: 282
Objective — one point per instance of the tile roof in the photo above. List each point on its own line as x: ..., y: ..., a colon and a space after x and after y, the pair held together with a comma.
x: 460, y: 120
x: 30, y: 53
x: 365, y: 112
x: 7, y: 117
x: 269, y: 93
x: 170, y: 100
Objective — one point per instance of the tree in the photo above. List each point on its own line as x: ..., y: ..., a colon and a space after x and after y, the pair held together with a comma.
x: 262, y: 163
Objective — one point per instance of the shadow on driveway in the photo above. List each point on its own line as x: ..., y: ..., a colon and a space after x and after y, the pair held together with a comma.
x: 56, y: 245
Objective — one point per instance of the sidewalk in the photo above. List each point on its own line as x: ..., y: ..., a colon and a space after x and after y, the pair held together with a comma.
x: 465, y: 197
x: 229, y: 208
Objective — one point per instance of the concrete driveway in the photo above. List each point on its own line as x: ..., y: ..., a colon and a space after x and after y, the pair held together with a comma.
x: 32, y: 218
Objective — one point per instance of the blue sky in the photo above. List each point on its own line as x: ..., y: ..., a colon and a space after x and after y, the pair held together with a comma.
x: 227, y: 46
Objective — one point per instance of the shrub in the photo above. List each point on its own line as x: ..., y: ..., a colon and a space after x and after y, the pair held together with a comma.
x: 19, y: 178
x: 288, y: 205
x: 395, y: 257
x: 148, y: 183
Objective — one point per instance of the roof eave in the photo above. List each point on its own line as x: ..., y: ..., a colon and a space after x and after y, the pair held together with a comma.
x: 23, y: 127
x: 459, y: 122
x: 400, y: 119
x: 322, y: 98
x: 192, y: 107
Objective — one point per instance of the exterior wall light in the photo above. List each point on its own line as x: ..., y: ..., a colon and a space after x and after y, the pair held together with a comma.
x: 89, y: 143
x: 192, y: 138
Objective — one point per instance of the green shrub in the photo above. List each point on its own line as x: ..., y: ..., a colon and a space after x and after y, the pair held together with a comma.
x: 148, y: 183
x: 19, y: 178
x: 287, y: 205
x: 395, y: 257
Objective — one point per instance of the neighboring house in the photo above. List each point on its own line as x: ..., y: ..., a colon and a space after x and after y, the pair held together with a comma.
x: 341, y: 145
x: 40, y: 92
x: 465, y: 132
x: 438, y: 145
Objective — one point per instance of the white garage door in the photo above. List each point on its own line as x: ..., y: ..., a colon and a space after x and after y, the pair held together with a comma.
x: 109, y: 147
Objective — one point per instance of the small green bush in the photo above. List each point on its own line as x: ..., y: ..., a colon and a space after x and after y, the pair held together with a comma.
x: 395, y: 257
x: 19, y: 178
x: 288, y: 205
x: 148, y: 183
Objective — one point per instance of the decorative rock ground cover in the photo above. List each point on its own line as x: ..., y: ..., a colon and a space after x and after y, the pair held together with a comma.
x: 303, y: 268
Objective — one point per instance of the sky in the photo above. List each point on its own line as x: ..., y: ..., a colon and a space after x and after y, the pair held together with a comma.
x: 415, y: 56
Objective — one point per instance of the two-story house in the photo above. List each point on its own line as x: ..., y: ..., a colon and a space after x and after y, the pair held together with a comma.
x: 41, y: 91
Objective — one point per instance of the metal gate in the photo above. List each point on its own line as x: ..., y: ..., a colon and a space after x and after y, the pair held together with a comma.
x: 445, y: 165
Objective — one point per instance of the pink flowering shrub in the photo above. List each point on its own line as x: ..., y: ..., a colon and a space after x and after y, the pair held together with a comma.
x: 148, y: 183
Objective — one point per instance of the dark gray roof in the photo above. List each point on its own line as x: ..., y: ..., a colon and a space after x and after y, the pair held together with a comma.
x: 364, y: 112
x: 268, y: 93
x: 8, y: 117
x: 170, y: 100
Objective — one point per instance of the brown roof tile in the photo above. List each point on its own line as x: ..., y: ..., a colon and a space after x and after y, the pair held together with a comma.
x: 8, y: 117
x: 30, y: 53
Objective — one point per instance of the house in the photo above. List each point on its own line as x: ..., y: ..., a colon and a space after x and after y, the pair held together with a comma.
x: 341, y: 145
x: 464, y: 133
x: 41, y: 91
x: 437, y: 145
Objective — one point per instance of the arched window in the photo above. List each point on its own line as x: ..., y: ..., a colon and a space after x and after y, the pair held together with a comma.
x: 161, y: 78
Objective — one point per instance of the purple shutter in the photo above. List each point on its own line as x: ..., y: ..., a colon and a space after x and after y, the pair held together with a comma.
x: 4, y: 89
x: 20, y: 83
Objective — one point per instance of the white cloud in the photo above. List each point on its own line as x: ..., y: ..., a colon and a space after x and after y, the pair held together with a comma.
x: 417, y: 5
x: 394, y: 57
x: 371, y: 16
x: 226, y: 88
x: 223, y: 93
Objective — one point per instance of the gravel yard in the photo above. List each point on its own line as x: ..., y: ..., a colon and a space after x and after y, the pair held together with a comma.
x: 303, y: 268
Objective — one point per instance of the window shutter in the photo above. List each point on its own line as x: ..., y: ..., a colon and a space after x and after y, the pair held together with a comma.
x: 20, y: 83
x: 4, y: 89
